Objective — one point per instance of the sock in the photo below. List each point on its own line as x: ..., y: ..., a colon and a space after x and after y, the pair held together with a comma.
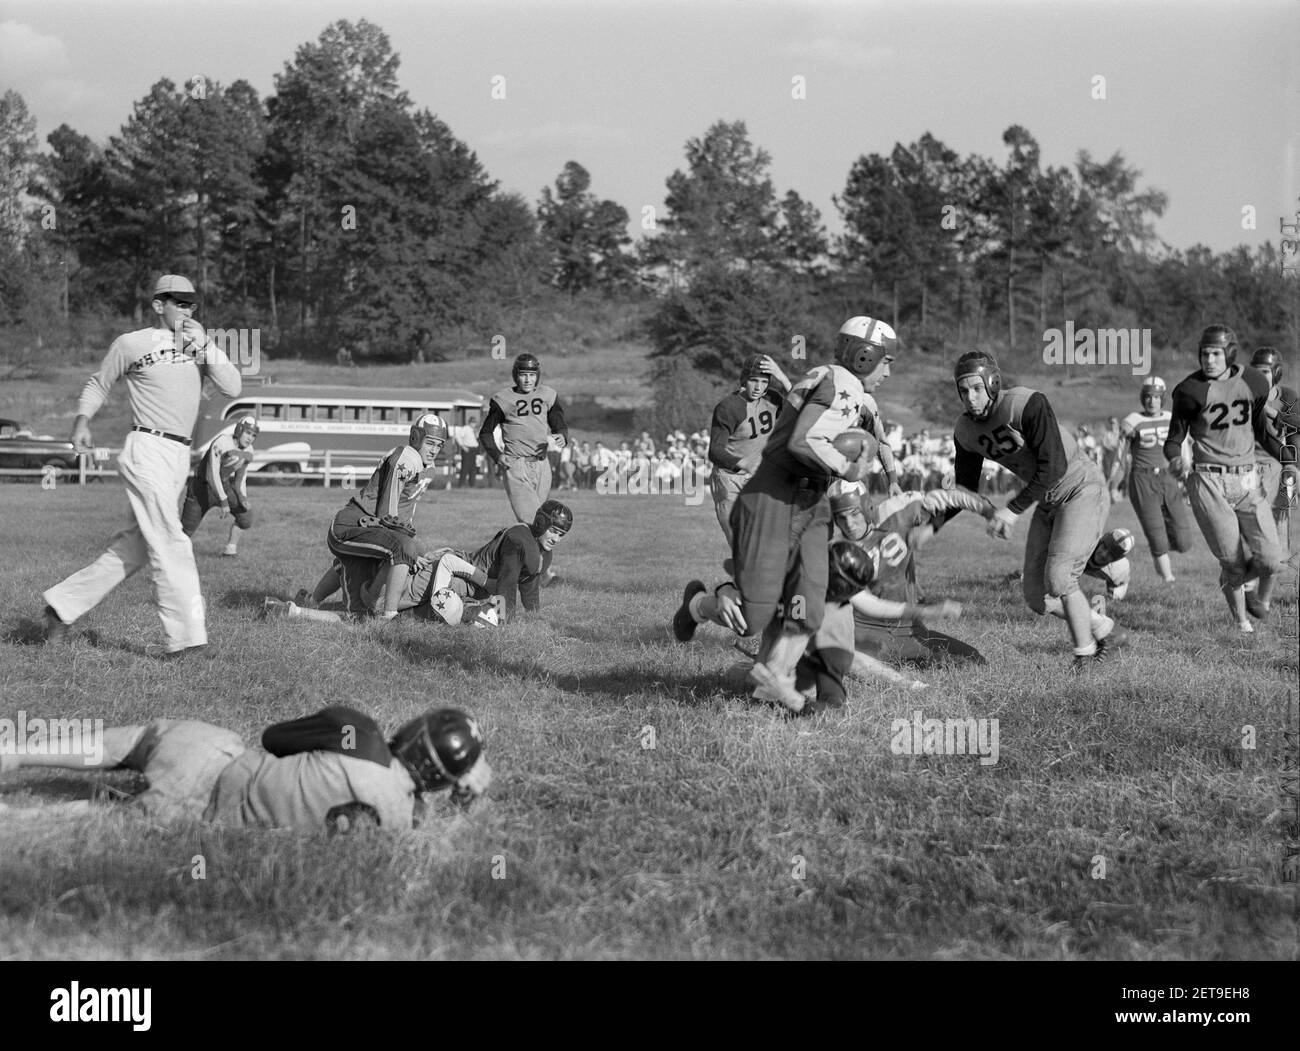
x: 696, y: 613
x: 1102, y: 625
x: 1085, y: 651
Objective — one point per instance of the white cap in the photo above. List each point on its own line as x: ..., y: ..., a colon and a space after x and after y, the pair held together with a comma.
x: 173, y: 285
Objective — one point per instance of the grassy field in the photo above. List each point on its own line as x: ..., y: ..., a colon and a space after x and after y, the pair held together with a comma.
x: 1124, y: 818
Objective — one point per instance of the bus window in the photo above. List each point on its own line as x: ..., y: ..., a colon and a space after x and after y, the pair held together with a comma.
x: 270, y: 411
x: 356, y: 413
x: 329, y: 412
x: 408, y: 414
x: 382, y: 414
x: 299, y: 412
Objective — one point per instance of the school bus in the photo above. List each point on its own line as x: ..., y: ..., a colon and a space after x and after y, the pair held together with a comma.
x: 355, y: 425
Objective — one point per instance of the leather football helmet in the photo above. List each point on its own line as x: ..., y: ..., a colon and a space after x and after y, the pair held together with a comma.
x: 430, y: 425
x: 1268, y: 358
x: 985, y: 366
x: 851, y: 570
x: 1154, y: 386
x: 438, y: 748
x: 1222, y: 338
x: 526, y: 363
x: 552, y: 515
x: 862, y: 343
x: 247, y: 424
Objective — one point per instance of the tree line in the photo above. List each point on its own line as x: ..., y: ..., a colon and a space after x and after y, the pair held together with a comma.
x: 337, y: 214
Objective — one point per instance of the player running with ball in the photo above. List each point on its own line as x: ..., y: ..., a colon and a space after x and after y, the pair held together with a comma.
x: 1018, y: 429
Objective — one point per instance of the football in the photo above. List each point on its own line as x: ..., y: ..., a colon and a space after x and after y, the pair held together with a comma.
x: 447, y: 605
x: 850, y: 442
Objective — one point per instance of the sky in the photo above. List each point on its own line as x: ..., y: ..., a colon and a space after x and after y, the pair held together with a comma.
x: 1202, y: 97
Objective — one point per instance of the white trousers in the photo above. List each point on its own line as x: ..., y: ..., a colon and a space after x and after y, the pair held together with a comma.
x: 154, y: 471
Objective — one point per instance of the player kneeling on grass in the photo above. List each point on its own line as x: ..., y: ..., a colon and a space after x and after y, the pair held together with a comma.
x: 375, y: 525
x: 332, y: 770
x: 221, y: 480
x: 509, y: 569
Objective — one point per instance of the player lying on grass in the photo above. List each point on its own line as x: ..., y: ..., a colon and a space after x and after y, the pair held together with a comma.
x: 332, y: 770
x: 510, y: 567
x: 376, y: 524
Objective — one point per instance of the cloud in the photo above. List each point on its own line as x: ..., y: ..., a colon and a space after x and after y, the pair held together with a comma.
x: 839, y: 51
x: 24, y: 51
x: 37, y: 66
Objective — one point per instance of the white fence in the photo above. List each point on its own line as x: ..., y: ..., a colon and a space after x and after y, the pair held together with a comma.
x: 339, y: 466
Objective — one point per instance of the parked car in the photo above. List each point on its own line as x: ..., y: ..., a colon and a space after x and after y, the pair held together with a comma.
x: 20, y: 448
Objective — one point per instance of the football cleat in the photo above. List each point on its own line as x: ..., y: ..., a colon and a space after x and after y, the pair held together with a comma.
x: 1083, y: 663
x: 55, y: 630
x: 303, y: 599
x: 683, y: 623
x: 1255, y: 608
x: 775, y: 689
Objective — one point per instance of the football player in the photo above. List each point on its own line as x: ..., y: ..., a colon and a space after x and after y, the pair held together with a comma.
x: 1222, y: 407
x: 329, y: 771
x: 781, y: 521
x: 532, y: 423
x: 1277, y: 446
x: 1157, y: 497
x: 220, y: 480
x: 1018, y: 429
x: 376, y: 524
x: 742, y: 423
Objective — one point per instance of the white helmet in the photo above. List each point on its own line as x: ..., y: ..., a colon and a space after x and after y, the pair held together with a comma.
x: 862, y: 343
x: 447, y: 606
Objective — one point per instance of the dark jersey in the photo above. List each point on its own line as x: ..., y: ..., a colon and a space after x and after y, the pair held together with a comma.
x: 1222, y: 416
x: 1021, y: 434
x: 1276, y: 433
x: 741, y: 428
x: 892, y: 550
x: 514, y: 561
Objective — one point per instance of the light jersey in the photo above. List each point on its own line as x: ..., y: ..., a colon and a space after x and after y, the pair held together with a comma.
x: 1000, y: 436
x: 748, y: 426
x: 225, y: 466
x: 1220, y: 415
x: 524, y: 430
x: 395, y: 485
x: 825, y: 403
x: 891, y: 550
x: 164, y: 385
x: 299, y: 791
x: 1146, y: 436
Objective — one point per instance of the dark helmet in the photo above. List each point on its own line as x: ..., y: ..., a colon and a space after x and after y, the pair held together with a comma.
x: 1268, y: 358
x: 851, y: 570
x: 526, y: 363
x: 862, y: 343
x: 985, y: 366
x: 753, y: 368
x: 438, y: 747
x: 1222, y: 338
x: 552, y: 515
x: 1154, y: 386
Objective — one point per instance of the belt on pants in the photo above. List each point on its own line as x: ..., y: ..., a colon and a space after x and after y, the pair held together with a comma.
x: 1220, y: 468
x: 163, y: 434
